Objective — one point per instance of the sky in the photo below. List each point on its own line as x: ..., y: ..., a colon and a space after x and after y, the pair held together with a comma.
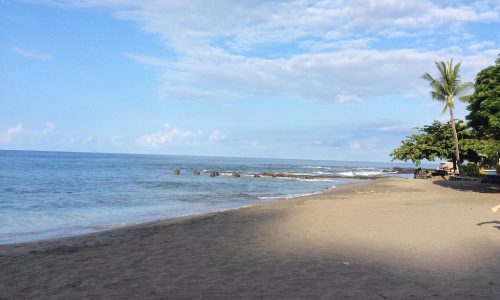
x: 334, y: 80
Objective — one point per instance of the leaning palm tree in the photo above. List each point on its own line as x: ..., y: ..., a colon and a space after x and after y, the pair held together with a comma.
x: 445, y: 89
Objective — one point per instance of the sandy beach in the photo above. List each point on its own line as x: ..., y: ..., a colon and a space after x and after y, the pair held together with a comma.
x: 382, y: 239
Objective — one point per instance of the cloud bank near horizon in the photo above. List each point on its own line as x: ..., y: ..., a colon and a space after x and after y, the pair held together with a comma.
x: 343, y: 51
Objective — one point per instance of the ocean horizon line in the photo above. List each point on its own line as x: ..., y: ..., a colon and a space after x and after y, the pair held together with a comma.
x: 408, y: 164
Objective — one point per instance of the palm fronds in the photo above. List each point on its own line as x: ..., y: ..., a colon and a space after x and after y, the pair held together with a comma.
x: 448, y: 85
x: 445, y: 89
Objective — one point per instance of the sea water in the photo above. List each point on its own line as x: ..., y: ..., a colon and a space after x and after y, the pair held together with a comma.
x: 53, y: 194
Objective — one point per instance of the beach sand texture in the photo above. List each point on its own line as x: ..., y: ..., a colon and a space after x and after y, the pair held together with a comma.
x: 383, y: 239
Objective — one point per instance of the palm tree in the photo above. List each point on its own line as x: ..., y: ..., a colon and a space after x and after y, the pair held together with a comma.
x: 445, y: 89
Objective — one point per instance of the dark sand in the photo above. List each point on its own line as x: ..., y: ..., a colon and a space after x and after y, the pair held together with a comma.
x: 384, y: 239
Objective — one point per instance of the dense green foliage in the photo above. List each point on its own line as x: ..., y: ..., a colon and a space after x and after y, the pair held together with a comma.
x: 470, y: 169
x: 484, y: 104
x: 489, y: 150
x: 433, y: 141
x: 436, y: 141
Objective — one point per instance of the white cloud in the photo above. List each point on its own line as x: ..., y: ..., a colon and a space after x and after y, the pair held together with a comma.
x: 9, y: 134
x: 362, y: 144
x: 342, y: 98
x: 324, y: 46
x: 332, y: 57
x: 341, y: 76
x: 103, y: 141
x: 244, y: 24
x: 475, y: 46
x: 216, y: 136
x: 31, y: 54
x: 354, y: 145
x: 48, y: 129
x: 167, y: 136
x: 181, y: 93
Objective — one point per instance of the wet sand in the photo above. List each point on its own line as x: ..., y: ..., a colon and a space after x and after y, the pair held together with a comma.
x: 383, y: 239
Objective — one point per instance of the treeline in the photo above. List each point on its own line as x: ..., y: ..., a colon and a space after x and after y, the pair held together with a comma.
x: 477, y: 139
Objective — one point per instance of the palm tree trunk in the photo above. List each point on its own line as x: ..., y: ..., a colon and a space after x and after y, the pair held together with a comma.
x: 455, y: 140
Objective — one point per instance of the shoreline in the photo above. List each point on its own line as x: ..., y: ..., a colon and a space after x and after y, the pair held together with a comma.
x: 265, y: 199
x: 385, y: 238
x: 79, y: 201
x: 7, y: 247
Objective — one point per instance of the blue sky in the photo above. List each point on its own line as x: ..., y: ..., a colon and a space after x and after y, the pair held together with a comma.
x: 336, y: 80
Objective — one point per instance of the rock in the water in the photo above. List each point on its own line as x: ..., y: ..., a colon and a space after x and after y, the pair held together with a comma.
x: 236, y: 174
x: 400, y: 170
x: 256, y: 175
x: 177, y: 172
x: 196, y: 172
x: 214, y: 174
x: 289, y: 175
x: 422, y: 174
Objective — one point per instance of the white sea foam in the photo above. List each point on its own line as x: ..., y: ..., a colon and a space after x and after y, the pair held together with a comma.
x: 306, y: 174
x: 317, y: 167
x: 290, y: 196
x: 313, y: 179
x: 347, y: 174
x: 226, y: 173
x: 292, y: 176
x: 231, y: 174
x: 368, y: 173
x: 359, y: 173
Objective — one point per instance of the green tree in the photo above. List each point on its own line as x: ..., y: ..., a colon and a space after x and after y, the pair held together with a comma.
x: 487, y: 151
x: 445, y: 89
x: 484, y: 103
x: 436, y: 141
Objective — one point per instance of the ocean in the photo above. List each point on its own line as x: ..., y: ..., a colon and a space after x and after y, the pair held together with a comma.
x: 47, y: 195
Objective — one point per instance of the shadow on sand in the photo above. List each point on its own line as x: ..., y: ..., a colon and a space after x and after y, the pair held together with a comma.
x: 211, y: 257
x: 473, y: 186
